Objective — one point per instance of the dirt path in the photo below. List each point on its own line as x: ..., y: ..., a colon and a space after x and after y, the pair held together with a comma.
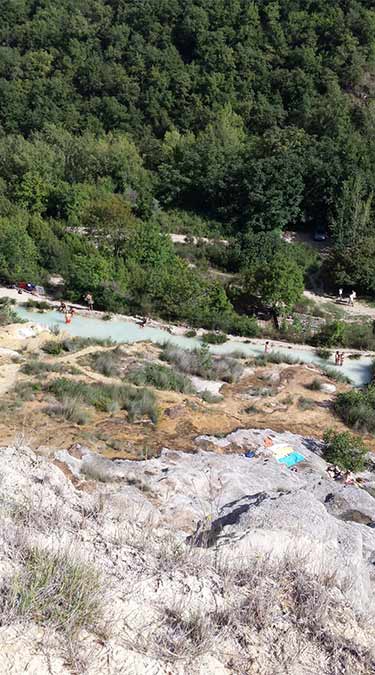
x: 360, y: 308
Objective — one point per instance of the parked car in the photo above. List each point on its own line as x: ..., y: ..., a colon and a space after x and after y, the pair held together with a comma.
x: 320, y: 234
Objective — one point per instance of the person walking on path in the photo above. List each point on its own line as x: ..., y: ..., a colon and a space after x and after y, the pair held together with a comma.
x: 337, y: 358
x: 352, y: 297
x: 90, y: 301
x: 340, y: 294
x: 342, y: 356
x: 267, y: 347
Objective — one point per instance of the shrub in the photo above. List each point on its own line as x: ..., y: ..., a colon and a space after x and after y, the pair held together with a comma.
x: 244, y: 326
x: 108, y: 397
x: 107, y: 317
x: 53, y: 347
x: 331, y: 334
x: 357, y: 409
x: 75, y: 344
x: 237, y: 354
x: 4, y: 301
x: 195, y: 362
x: 277, y: 357
x: 201, y: 362
x: 191, y: 333
x: 107, y: 363
x: 37, y: 304
x: 323, y: 353
x: 9, y: 315
x: 55, y: 591
x: 161, y: 377
x: 306, y: 403
x: 333, y: 374
x: 315, y: 385
x: 26, y: 391
x: 227, y: 369
x: 36, y: 367
x: 208, y: 397
x: 214, y: 338
x: 345, y: 450
x: 360, y: 335
x: 70, y: 409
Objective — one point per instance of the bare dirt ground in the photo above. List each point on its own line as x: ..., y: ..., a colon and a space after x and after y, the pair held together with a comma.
x: 274, y: 397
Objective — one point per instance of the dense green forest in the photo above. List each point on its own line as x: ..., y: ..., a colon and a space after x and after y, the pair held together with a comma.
x: 121, y: 120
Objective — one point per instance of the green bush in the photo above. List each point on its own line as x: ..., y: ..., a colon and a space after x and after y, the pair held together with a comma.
x: 332, y: 334
x: 277, y: 357
x: 69, y: 408
x: 53, y: 347
x: 214, y: 338
x: 345, y: 450
x: 244, y: 326
x: 36, y: 367
x: 107, y: 363
x: 53, y: 590
x: 108, y: 397
x: 9, y: 316
x: 323, y: 353
x: 306, y: 403
x: 37, y: 304
x: 315, y: 385
x: 202, y: 363
x: 357, y: 409
x: 161, y: 377
x: 208, y: 397
x: 335, y: 375
x: 190, y: 333
x: 75, y: 344
x: 27, y: 391
x: 6, y: 301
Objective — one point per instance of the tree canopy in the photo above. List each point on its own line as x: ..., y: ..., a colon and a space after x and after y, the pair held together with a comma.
x: 119, y: 119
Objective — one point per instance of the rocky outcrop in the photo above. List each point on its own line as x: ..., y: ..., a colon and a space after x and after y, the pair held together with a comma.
x: 208, y: 562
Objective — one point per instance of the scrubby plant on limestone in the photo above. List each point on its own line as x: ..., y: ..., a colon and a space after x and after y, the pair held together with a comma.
x: 107, y: 363
x: 209, y: 397
x: 347, y: 451
x: 202, y: 363
x: 54, y: 591
x: 71, y: 345
x: 108, y: 397
x: 315, y: 385
x: 335, y: 375
x: 277, y: 357
x: 253, y: 599
x: 36, y: 367
x: 161, y: 377
x: 69, y: 408
x: 323, y: 353
x: 357, y: 409
x: 213, y: 338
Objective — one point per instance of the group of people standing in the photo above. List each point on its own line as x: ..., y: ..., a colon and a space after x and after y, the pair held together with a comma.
x: 351, y: 299
x: 339, y: 358
x: 67, y: 311
x: 70, y: 311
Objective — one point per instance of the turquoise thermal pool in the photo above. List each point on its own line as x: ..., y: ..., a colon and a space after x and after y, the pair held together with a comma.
x: 120, y: 330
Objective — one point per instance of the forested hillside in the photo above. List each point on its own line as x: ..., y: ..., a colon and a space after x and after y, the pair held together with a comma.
x: 128, y: 118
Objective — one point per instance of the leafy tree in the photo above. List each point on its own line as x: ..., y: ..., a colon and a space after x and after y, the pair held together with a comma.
x: 18, y: 253
x: 345, y: 450
x: 279, y: 282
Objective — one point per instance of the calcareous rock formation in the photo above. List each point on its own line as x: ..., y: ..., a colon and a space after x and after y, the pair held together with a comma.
x: 189, y: 563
